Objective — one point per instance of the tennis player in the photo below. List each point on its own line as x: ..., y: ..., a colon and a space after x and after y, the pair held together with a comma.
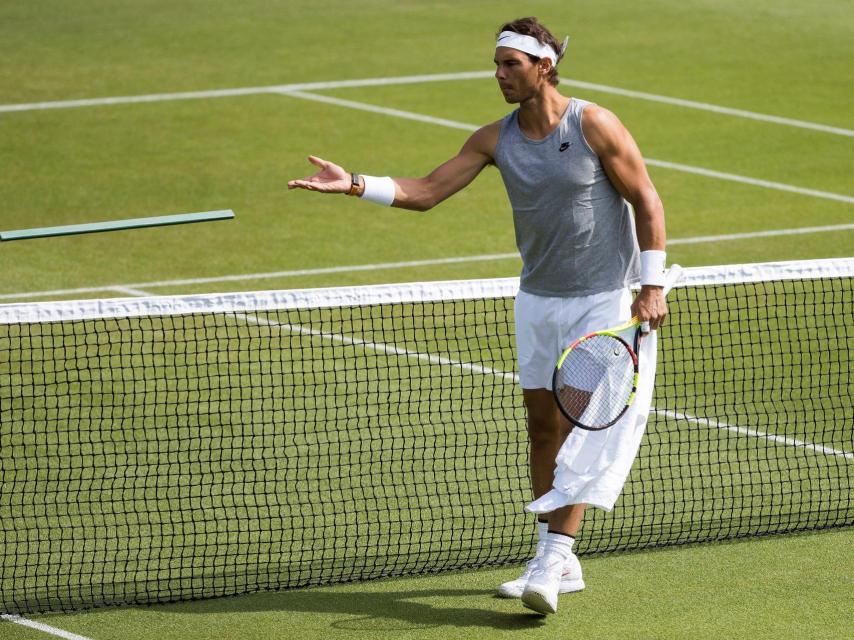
x: 571, y: 169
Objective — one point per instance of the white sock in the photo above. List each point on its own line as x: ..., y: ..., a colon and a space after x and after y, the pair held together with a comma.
x: 559, y: 544
x: 542, y: 530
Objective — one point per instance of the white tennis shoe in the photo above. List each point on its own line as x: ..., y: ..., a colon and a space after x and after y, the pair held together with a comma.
x: 571, y: 579
x: 543, y: 587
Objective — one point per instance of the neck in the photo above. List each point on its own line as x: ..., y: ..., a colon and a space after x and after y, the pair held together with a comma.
x: 541, y: 113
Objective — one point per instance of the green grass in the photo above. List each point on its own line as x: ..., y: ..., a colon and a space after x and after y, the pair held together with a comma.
x: 791, y: 587
x: 77, y: 165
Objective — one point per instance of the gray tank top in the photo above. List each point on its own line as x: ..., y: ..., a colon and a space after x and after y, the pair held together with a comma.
x: 574, y: 231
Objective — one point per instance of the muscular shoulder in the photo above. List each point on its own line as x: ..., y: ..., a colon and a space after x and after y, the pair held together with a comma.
x: 602, y: 129
x: 484, y: 140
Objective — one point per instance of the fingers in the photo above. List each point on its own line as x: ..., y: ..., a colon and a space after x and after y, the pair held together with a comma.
x: 650, y: 312
x: 306, y: 183
x: 329, y: 179
x: 652, y: 322
x: 320, y: 186
x: 302, y: 183
x: 650, y: 308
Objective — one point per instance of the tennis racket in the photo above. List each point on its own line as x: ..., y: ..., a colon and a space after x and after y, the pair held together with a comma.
x: 596, y: 378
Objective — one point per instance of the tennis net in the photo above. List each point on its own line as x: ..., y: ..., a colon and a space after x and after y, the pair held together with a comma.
x: 166, y: 448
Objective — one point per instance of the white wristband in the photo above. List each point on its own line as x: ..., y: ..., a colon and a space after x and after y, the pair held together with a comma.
x: 379, y: 190
x: 652, y: 267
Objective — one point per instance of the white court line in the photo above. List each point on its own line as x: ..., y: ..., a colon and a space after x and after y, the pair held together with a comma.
x: 264, y: 276
x: 762, y: 234
x: 439, y: 77
x: 363, y: 106
x: 243, y: 91
x: 504, y: 375
x: 129, y: 290
x: 705, y: 106
x: 383, y: 348
x: 779, y: 186
x: 39, y: 626
x: 755, y: 182
x: 756, y: 433
x: 353, y: 268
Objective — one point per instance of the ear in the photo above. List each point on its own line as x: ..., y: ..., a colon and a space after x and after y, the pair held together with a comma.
x: 545, y: 66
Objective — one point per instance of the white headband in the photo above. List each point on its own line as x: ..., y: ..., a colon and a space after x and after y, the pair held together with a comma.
x: 530, y: 45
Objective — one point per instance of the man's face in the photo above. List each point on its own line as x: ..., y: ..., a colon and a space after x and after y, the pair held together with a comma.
x: 518, y: 77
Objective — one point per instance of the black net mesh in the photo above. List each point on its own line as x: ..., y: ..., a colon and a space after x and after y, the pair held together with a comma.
x: 158, y: 458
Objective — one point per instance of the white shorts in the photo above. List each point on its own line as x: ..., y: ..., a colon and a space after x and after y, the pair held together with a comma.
x: 547, y: 326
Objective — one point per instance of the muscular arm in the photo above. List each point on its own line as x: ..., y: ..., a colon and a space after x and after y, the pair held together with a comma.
x: 445, y: 180
x: 419, y: 194
x: 626, y: 170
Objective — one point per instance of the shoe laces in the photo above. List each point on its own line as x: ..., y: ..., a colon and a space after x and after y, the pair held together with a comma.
x: 550, y: 567
x: 533, y: 562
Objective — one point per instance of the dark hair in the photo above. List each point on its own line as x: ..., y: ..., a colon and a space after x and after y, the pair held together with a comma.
x: 532, y: 27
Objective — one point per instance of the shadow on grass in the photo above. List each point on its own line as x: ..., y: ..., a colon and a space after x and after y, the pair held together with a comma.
x: 375, y: 610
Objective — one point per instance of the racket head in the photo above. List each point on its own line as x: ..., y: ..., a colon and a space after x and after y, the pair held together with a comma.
x: 596, y: 378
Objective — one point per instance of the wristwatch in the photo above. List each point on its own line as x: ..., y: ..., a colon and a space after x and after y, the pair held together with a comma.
x: 356, y: 188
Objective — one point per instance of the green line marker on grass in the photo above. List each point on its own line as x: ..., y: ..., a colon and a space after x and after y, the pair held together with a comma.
x: 115, y: 225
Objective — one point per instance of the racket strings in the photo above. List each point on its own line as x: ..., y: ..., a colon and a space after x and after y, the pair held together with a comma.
x: 595, y: 380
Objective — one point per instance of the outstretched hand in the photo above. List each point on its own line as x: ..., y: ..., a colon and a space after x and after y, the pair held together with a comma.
x: 330, y: 179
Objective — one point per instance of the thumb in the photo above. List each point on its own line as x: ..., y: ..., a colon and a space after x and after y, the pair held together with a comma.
x: 319, y: 162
